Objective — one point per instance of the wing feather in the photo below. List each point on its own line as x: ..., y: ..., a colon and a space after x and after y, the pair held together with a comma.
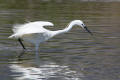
x: 31, y: 27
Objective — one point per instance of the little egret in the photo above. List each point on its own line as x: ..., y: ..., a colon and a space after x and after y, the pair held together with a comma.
x: 35, y: 33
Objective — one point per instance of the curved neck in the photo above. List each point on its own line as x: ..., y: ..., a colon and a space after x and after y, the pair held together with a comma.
x: 68, y: 28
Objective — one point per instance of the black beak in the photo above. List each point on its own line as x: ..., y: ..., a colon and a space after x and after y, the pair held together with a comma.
x: 88, y: 30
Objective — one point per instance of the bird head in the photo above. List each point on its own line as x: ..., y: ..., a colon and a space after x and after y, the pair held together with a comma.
x: 80, y: 23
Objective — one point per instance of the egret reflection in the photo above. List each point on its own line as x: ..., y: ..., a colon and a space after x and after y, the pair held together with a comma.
x: 40, y: 70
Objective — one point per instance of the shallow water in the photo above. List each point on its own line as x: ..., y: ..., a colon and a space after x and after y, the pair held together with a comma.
x: 72, y: 56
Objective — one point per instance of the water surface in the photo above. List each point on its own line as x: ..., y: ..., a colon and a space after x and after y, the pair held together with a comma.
x: 72, y: 56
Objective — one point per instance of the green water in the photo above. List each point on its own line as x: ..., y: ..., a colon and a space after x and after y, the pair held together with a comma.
x: 72, y: 56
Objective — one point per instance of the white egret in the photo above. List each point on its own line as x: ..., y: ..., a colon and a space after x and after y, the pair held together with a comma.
x: 35, y: 33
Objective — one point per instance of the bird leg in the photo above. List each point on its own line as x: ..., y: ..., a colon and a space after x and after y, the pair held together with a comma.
x: 36, y: 48
x: 21, y: 43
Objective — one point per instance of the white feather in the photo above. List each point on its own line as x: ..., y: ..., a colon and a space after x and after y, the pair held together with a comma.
x: 34, y: 32
x: 29, y: 28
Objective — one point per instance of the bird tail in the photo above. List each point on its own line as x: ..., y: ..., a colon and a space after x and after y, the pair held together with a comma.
x: 15, y: 30
x: 12, y: 36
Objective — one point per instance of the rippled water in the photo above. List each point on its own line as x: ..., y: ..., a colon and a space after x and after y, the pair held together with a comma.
x: 72, y: 56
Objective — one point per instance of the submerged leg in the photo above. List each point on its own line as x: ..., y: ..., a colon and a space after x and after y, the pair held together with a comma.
x: 21, y: 43
x: 20, y: 55
x: 36, y: 48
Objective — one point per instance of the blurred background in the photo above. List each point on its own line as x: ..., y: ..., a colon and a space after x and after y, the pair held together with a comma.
x: 72, y: 56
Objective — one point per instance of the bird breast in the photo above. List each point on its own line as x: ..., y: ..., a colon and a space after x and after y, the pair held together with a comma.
x: 35, y: 37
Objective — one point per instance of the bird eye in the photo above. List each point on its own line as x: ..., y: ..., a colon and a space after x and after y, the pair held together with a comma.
x: 83, y: 25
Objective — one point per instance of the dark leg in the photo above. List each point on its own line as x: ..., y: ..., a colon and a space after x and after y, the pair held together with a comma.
x: 21, y: 43
x: 20, y: 55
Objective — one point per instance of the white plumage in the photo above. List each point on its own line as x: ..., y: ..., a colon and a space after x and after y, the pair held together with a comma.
x: 30, y: 28
x: 35, y: 33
